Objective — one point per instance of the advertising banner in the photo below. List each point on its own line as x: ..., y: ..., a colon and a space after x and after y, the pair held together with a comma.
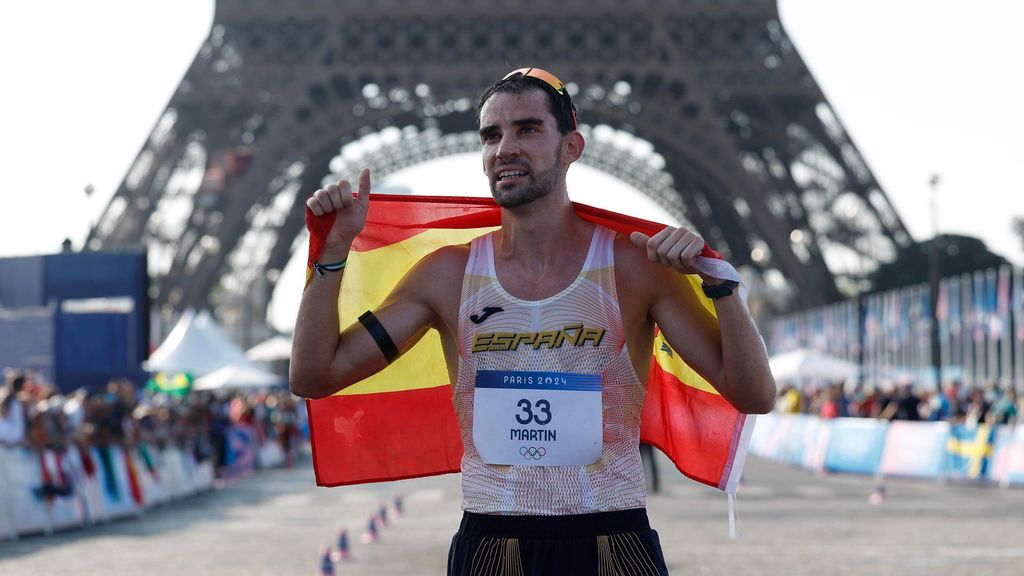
x: 816, y: 436
x: 855, y: 445
x: 915, y: 449
x: 795, y: 443
x: 763, y: 430
x: 1008, y: 460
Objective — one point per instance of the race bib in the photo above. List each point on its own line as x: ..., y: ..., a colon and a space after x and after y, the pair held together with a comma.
x: 537, y: 418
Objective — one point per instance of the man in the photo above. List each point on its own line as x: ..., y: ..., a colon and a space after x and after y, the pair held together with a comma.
x: 551, y: 319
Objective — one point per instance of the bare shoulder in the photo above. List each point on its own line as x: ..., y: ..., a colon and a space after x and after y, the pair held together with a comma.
x: 628, y: 255
x: 448, y: 259
x: 434, y: 283
x: 441, y: 269
x: 645, y: 286
x: 635, y: 272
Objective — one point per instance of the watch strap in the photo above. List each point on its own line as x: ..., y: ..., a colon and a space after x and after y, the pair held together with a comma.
x: 719, y: 290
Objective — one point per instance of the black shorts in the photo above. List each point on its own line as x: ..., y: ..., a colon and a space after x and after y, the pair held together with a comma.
x: 601, y: 544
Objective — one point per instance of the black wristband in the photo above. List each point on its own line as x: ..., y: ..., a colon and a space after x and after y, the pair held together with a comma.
x: 380, y: 336
x: 719, y: 290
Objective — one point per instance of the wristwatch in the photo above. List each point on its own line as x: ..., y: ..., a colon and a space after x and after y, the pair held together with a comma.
x: 719, y: 290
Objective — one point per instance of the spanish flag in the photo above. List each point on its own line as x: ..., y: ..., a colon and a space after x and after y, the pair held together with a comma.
x: 400, y: 423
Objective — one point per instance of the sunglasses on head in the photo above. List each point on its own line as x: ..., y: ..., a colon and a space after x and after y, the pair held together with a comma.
x: 552, y: 81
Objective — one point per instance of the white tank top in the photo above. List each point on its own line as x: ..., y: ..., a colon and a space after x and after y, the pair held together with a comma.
x: 616, y: 480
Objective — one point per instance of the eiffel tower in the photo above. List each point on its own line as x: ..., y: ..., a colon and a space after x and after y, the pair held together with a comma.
x: 722, y: 122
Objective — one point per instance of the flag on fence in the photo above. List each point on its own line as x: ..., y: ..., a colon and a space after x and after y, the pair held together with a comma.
x: 969, y: 451
x: 400, y: 423
x: 110, y: 484
x: 134, y: 485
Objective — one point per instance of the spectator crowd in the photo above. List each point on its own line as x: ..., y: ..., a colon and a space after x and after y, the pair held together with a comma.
x: 953, y: 402
x: 34, y: 415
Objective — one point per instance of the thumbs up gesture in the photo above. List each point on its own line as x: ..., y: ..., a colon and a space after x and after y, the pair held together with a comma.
x: 349, y: 208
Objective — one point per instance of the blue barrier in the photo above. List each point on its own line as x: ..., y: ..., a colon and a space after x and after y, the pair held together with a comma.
x: 764, y: 427
x: 856, y: 445
x: 795, y: 442
x: 934, y: 450
x: 816, y: 438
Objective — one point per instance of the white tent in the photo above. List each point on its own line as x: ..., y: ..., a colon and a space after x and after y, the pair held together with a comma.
x: 271, y: 350
x: 238, y: 375
x: 807, y: 364
x: 195, y: 345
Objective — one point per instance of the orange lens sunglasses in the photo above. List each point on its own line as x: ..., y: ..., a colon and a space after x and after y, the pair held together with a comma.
x: 552, y: 81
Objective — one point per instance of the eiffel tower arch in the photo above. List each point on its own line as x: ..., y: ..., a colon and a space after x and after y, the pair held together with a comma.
x: 722, y: 122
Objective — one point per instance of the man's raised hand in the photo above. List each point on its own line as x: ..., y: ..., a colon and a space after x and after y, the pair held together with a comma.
x: 350, y: 208
x: 676, y: 248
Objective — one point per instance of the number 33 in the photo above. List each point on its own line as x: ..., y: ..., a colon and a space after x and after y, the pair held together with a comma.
x: 543, y: 408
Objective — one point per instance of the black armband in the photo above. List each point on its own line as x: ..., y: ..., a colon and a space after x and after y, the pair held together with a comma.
x: 380, y: 336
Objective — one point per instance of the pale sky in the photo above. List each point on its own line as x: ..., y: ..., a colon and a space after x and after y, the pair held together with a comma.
x: 922, y: 86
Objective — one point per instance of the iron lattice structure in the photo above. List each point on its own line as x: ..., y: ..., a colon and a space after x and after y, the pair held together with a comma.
x: 703, y: 105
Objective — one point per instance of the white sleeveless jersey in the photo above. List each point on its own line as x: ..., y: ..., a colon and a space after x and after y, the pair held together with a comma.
x: 507, y: 340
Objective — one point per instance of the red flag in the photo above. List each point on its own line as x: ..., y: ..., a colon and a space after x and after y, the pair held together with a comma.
x: 133, y: 477
x: 400, y: 423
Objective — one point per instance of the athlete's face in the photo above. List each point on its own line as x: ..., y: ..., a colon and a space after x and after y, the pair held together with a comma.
x: 522, y: 147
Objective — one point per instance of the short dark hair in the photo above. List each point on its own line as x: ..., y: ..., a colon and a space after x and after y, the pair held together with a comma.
x: 559, y: 107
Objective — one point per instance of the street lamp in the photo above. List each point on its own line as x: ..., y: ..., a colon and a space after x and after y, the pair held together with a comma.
x: 934, y: 273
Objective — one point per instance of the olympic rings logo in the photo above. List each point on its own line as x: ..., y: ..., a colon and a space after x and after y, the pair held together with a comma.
x: 531, y: 453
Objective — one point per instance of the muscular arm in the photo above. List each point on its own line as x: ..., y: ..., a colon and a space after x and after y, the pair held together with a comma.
x: 730, y: 356
x: 326, y: 359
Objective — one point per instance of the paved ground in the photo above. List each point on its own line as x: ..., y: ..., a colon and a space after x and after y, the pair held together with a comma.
x: 792, y: 523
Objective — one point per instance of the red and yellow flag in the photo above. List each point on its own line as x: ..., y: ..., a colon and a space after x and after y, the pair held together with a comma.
x: 400, y: 423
